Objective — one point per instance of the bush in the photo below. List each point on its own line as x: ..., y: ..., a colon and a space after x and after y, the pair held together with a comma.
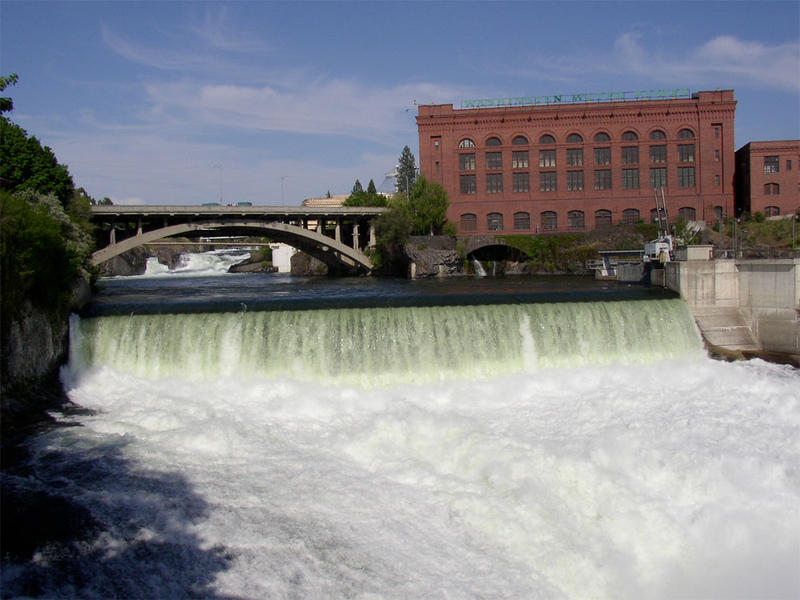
x: 38, y: 262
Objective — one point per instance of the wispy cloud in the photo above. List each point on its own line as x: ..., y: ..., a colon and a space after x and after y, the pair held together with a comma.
x: 722, y: 61
x: 219, y: 30
x: 323, y: 107
x: 726, y: 58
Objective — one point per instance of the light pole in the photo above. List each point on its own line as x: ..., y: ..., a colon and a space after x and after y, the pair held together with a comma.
x: 220, y: 180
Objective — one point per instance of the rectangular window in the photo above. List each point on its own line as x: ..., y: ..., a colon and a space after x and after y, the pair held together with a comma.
x: 630, y: 155
x: 686, y: 176
x: 788, y: 165
x: 575, y: 181
x: 519, y: 160
x: 520, y: 182
x: 467, y: 184
x: 630, y: 179
x: 602, y: 179
x: 495, y: 221
x: 772, y: 164
x: 602, y: 156
x: 494, y: 160
x: 716, y: 155
x: 494, y: 183
x: 547, y: 182
x: 658, y: 177
x: 658, y: 154
x: 716, y: 132
x: 437, y: 166
x: 575, y: 157
x: 466, y: 162
x: 716, y: 180
x: 547, y: 158
x: 686, y: 153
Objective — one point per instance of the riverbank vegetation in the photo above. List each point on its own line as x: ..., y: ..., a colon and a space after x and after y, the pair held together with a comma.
x: 45, y: 248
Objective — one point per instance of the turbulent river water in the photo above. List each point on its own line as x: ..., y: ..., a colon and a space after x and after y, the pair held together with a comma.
x: 258, y: 436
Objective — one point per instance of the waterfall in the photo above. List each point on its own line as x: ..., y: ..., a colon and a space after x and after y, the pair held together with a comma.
x: 479, y: 270
x: 383, y: 346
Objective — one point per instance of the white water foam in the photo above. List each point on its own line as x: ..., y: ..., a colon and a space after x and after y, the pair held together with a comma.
x: 195, y: 264
x: 672, y: 480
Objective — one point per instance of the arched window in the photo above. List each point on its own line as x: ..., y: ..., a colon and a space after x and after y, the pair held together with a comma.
x: 547, y: 139
x: 772, y: 211
x: 469, y: 222
x: 522, y: 221
x: 772, y: 189
x: 718, y: 213
x: 629, y: 136
x: 602, y: 137
x: 495, y: 221
x: 687, y: 213
x: 630, y: 215
x: 602, y: 218
x: 658, y: 135
x: 494, y: 141
x: 685, y: 134
x: 549, y: 221
x: 575, y: 219
x: 466, y: 143
x: 574, y: 138
x: 520, y: 140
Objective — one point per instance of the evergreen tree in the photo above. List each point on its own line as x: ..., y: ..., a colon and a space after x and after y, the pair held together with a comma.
x: 357, y: 189
x: 406, y: 171
x: 371, y: 189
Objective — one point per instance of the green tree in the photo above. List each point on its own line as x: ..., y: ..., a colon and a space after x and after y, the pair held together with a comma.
x: 357, y: 189
x: 7, y: 104
x: 38, y: 262
x: 406, y: 171
x: 371, y: 189
x: 427, y: 206
x: 26, y: 164
x: 392, y: 230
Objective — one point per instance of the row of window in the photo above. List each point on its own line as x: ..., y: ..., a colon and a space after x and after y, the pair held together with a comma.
x: 772, y: 164
x: 576, y: 219
x: 548, y: 180
x: 547, y: 158
x: 576, y: 138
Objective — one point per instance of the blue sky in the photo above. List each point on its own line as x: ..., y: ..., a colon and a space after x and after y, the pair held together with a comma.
x: 271, y: 102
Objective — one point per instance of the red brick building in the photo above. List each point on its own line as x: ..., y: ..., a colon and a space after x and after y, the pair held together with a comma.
x: 767, y: 177
x: 528, y: 165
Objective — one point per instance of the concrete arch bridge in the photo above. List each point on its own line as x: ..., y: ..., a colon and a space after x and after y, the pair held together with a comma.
x: 337, y: 236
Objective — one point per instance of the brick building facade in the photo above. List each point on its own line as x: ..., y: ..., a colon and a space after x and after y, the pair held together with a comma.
x: 767, y: 177
x: 584, y: 165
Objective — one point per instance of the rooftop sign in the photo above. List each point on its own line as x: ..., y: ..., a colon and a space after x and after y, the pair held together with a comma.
x: 577, y: 98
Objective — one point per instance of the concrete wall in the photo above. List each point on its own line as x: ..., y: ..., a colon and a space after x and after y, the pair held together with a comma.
x: 705, y: 283
x: 766, y: 293
x: 769, y: 298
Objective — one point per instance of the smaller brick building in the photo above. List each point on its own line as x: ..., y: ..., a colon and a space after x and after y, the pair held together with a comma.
x: 768, y: 177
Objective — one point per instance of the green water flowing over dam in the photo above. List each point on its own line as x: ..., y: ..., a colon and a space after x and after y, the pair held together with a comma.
x: 384, y: 346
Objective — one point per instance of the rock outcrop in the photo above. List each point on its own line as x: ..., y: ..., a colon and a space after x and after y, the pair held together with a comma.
x: 433, y: 256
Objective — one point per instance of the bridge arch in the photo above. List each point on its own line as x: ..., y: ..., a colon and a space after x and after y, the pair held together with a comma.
x: 339, y: 257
